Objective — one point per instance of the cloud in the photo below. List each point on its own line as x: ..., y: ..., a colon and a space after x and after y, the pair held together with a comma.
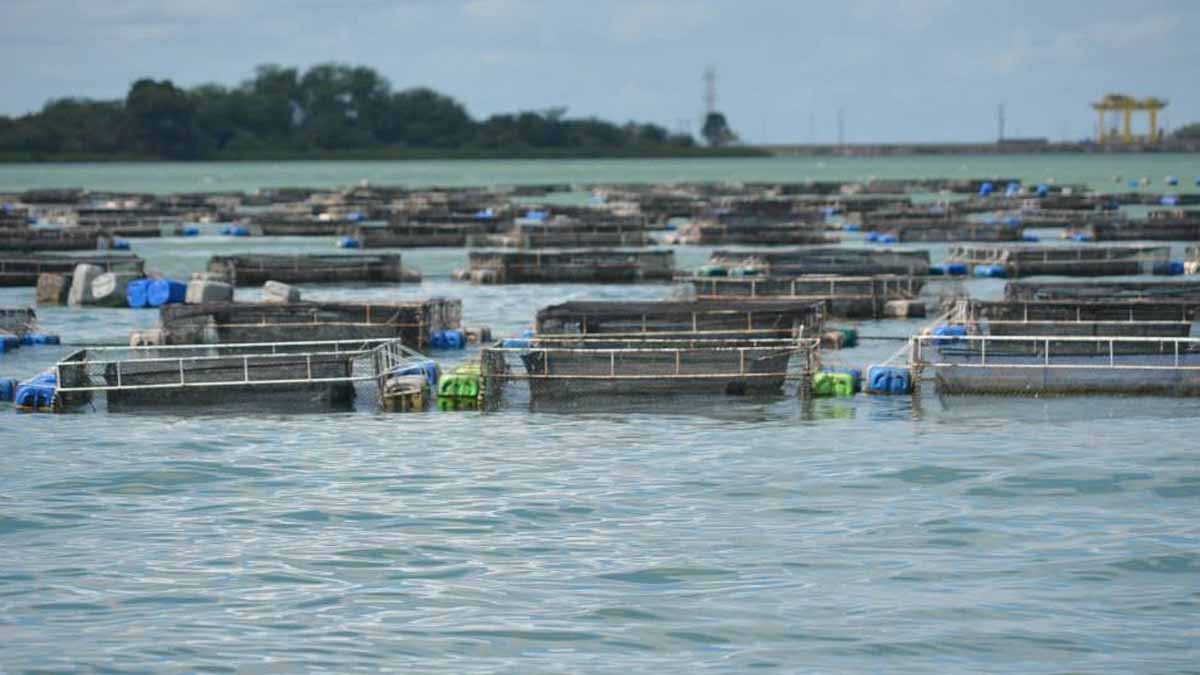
x: 909, y: 15
x: 660, y: 20
x: 1099, y: 40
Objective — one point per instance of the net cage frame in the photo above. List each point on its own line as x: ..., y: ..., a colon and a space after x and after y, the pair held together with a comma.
x: 680, y: 319
x: 79, y: 373
x: 668, y: 363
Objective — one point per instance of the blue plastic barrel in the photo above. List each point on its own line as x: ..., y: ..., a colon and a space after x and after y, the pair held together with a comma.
x: 947, y: 334
x: 9, y: 343
x: 454, y: 339
x: 8, y: 388
x: 887, y: 239
x: 1043, y: 190
x: 535, y: 215
x: 347, y: 242
x: 119, y: 245
x: 135, y: 293
x: 888, y: 380
x: 427, y: 369
x: 37, y: 392
x: 165, y: 292
x: 872, y: 236
x: 1012, y: 189
x: 1083, y: 236
x: 1172, y: 180
x: 190, y: 231
x: 1030, y: 237
x: 852, y: 227
x: 1169, y: 200
x: 39, y: 339
x: 235, y: 231
x: 990, y: 271
x: 986, y: 189
x: 1169, y: 268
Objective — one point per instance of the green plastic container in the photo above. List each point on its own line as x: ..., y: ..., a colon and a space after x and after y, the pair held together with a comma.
x: 830, y: 385
x: 712, y: 271
x: 849, y: 337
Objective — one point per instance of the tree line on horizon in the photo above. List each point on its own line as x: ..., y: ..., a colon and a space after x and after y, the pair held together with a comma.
x: 328, y: 109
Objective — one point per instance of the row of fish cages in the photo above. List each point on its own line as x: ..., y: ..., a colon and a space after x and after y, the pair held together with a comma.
x: 1022, y: 260
x: 294, y: 376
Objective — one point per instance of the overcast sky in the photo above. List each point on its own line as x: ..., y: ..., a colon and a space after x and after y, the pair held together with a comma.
x: 903, y: 70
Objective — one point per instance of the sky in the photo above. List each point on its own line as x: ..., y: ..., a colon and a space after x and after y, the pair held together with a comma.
x: 900, y: 70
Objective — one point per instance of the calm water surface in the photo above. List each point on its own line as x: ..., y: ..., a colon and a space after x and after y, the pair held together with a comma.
x: 870, y: 534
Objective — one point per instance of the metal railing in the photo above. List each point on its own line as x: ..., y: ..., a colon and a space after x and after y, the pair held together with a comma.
x: 1074, y: 352
x: 295, y: 359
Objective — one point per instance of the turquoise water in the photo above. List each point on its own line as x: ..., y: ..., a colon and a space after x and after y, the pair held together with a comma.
x: 1099, y: 171
x: 862, y: 535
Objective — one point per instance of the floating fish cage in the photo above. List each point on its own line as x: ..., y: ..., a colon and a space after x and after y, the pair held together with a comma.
x: 256, y: 269
x: 413, y: 322
x: 1173, y: 291
x: 845, y: 296
x: 17, y: 320
x: 416, y: 234
x: 714, y: 233
x: 1017, y: 260
x: 23, y: 270
x: 1039, y: 365
x: 825, y: 261
x: 563, y: 368
x: 1063, y: 319
x: 943, y: 230
x: 1178, y: 228
x: 287, y: 376
x: 54, y: 239
x: 593, y: 265
x: 763, y: 318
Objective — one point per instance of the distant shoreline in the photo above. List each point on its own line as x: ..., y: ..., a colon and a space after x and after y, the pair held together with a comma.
x: 394, y: 154
x: 740, y: 151
x: 1003, y: 148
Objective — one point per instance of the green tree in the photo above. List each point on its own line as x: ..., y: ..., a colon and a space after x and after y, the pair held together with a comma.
x: 161, y: 121
x: 716, y: 130
x: 1187, y: 132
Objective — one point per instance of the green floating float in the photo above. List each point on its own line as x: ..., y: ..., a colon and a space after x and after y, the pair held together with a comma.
x: 831, y: 385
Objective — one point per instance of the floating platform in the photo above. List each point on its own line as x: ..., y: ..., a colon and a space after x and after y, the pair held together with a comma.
x: 582, y: 266
x: 825, y: 261
x: 1018, y: 260
x: 276, y: 377
x: 1071, y: 310
x: 414, y: 323
x: 844, y: 296
x: 256, y: 269
x: 1037, y: 366
x: 23, y: 270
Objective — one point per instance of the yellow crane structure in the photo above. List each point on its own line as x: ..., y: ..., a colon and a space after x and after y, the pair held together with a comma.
x: 1127, y: 106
